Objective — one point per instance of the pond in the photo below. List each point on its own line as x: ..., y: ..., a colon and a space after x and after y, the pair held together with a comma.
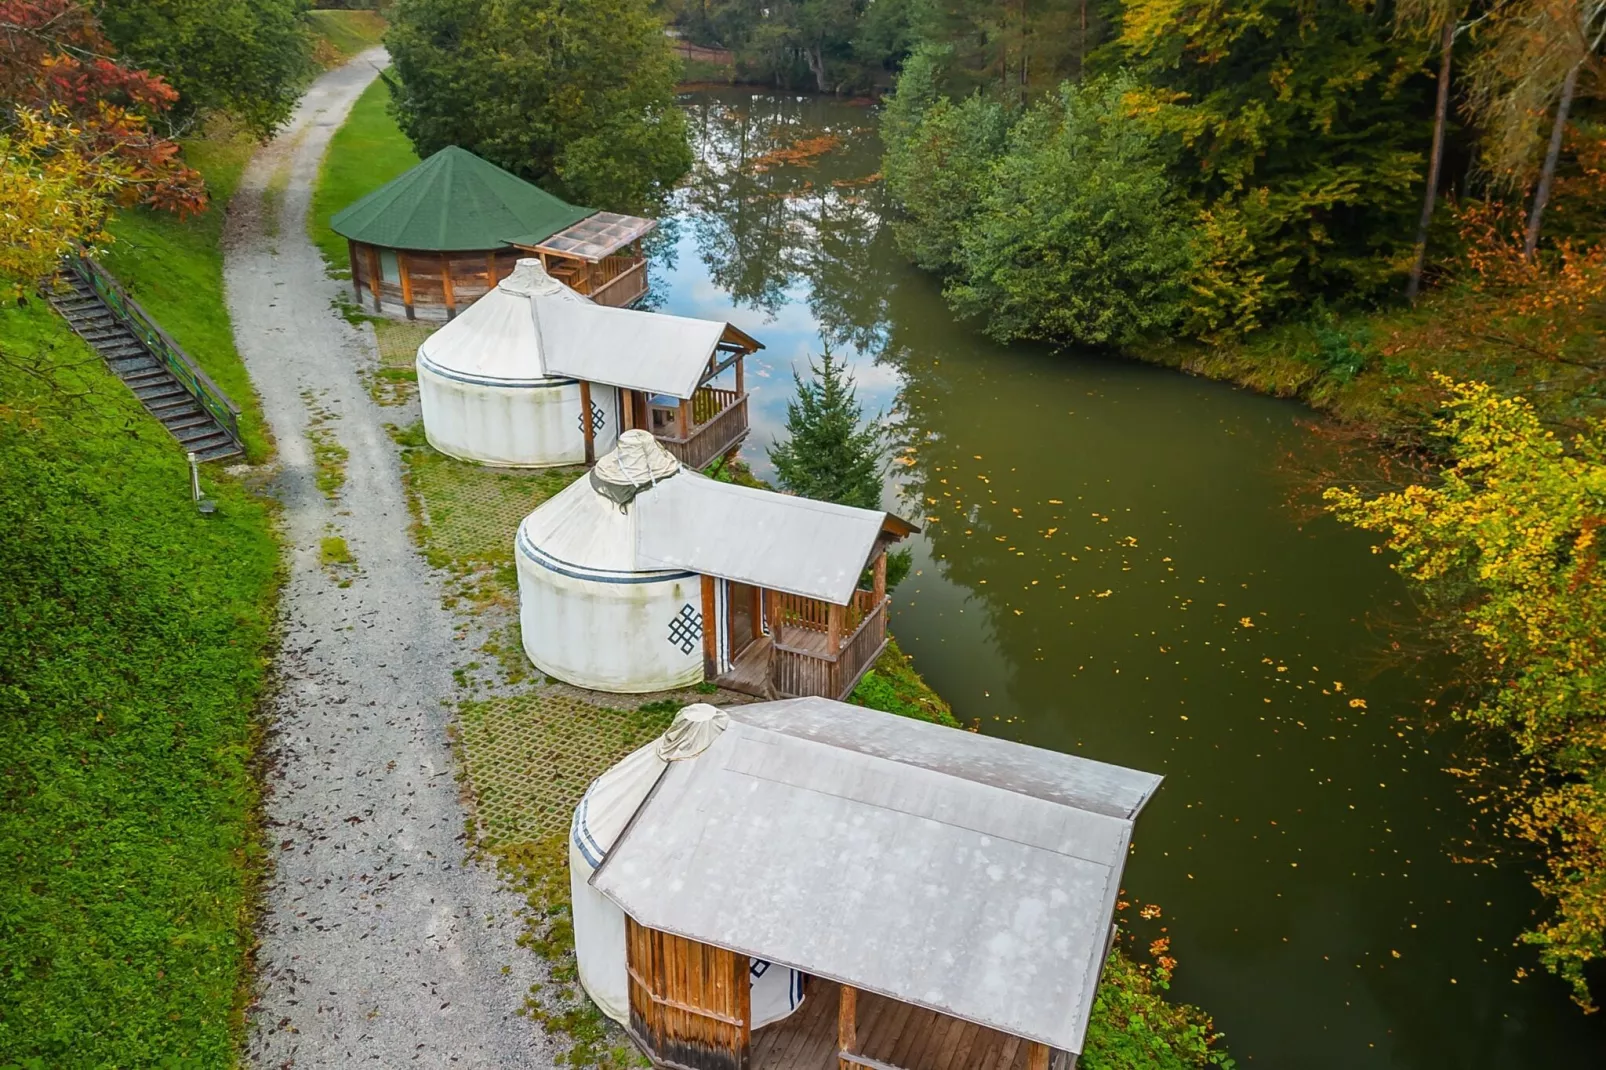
x: 1117, y: 562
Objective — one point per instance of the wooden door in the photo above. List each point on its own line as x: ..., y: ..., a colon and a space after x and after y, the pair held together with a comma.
x: 690, y: 1003
x: 744, y: 620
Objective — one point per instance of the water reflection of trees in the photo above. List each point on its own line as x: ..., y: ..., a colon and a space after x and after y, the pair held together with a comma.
x: 764, y: 226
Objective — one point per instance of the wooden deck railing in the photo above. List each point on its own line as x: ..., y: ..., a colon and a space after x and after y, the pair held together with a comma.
x: 617, y: 281
x: 721, y: 431
x: 189, y: 374
x: 800, y: 671
x: 814, y: 615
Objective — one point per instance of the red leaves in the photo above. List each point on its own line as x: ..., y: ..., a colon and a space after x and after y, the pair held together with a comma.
x: 55, y: 61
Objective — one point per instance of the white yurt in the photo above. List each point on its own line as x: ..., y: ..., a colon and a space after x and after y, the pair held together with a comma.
x: 483, y: 386
x: 599, y: 924
x: 588, y: 615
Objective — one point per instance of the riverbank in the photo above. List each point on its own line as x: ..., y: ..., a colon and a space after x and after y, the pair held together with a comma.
x: 1541, y: 337
x: 131, y: 667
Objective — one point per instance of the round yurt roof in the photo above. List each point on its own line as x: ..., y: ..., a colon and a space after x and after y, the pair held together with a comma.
x: 455, y: 201
x: 495, y: 339
x: 589, y: 525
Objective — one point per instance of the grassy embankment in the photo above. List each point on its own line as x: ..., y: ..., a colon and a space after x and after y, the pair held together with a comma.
x: 1544, y: 339
x: 365, y: 153
x: 133, y: 657
x: 339, y: 35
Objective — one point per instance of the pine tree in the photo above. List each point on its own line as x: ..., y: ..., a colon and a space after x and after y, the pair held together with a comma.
x: 828, y: 455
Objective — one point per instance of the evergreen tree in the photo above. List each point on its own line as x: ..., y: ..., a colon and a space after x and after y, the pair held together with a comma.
x: 828, y: 455
x: 575, y: 95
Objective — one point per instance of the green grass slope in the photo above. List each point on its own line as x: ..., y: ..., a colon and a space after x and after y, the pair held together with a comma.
x: 339, y: 35
x: 133, y: 654
x: 365, y: 153
x: 131, y: 659
x: 174, y: 268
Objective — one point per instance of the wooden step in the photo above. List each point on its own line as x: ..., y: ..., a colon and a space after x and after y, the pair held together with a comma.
x: 157, y: 391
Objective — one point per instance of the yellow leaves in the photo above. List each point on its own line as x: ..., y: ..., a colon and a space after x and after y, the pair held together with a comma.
x: 1245, y: 622
x: 1357, y: 704
x: 52, y: 198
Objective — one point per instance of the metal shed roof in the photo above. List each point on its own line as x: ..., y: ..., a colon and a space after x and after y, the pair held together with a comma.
x: 797, y: 545
x: 454, y: 202
x: 945, y: 869
x: 626, y: 348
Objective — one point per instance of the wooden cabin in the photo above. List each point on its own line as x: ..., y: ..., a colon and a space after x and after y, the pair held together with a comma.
x: 948, y: 897
x: 435, y: 239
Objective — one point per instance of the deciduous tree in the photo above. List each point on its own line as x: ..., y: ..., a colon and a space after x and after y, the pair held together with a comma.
x: 576, y: 95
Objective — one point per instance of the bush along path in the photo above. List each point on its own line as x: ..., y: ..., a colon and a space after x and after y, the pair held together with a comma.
x: 381, y: 942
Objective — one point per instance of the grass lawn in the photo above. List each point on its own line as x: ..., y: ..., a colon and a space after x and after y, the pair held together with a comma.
x: 132, y: 658
x: 364, y: 154
x: 339, y: 35
x: 174, y: 268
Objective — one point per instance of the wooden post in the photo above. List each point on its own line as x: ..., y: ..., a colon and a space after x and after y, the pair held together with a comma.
x: 446, y: 287
x: 1036, y: 1056
x: 490, y: 270
x: 710, y: 628
x: 741, y: 383
x: 586, y: 430
x: 373, y: 275
x: 847, y: 1025
x: 833, y: 630
x: 683, y: 420
x: 773, y: 598
x: 356, y: 276
x: 880, y: 577
x: 627, y: 410
x: 406, y: 283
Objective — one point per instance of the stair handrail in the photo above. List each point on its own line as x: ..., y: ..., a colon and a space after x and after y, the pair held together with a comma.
x: 189, y: 374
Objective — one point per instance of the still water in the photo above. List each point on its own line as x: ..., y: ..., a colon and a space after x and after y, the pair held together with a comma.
x: 1116, y: 563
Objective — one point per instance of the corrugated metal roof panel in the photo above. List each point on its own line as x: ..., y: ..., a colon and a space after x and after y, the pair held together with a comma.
x: 920, y: 877
x: 624, y: 347
x: 797, y: 545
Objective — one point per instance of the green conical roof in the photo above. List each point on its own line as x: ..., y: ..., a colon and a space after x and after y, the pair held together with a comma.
x: 455, y: 201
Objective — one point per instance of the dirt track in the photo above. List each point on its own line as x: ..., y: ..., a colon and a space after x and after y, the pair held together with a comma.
x: 381, y: 945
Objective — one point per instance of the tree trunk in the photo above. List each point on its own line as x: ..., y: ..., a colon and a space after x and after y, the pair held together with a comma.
x: 1413, y: 286
x: 1547, y: 173
x: 815, y: 58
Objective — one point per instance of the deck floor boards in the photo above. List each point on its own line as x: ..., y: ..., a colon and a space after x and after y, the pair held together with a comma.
x: 908, y: 1037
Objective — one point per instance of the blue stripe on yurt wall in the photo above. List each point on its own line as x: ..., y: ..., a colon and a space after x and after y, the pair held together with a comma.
x: 476, y: 380
x: 579, y: 572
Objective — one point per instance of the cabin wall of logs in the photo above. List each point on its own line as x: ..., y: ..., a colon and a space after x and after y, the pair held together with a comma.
x: 425, y: 284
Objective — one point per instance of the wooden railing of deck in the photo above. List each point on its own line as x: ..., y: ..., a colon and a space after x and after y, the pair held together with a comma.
x: 617, y: 281
x: 712, y: 437
x: 815, y: 615
x: 800, y: 672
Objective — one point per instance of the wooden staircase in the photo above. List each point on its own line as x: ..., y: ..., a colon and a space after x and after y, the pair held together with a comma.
x: 166, y: 381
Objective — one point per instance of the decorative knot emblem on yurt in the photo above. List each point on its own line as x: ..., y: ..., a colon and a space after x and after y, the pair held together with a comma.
x: 686, y: 629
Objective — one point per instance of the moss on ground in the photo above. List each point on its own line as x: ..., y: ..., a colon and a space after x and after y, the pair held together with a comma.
x: 328, y: 455
x: 135, y: 650
x: 893, y: 686
x: 365, y: 153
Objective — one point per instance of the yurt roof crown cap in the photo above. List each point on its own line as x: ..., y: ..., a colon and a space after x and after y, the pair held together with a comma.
x: 694, y: 730
x: 529, y: 278
x: 637, y: 462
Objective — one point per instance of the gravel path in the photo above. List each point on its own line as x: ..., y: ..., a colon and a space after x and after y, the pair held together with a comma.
x: 381, y: 944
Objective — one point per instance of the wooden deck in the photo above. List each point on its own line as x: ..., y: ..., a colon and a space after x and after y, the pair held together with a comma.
x: 890, y: 1033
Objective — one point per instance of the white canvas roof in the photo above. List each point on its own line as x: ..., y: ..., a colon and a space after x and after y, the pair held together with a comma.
x: 626, y: 348
x: 688, y: 522
x: 973, y: 876
x: 494, y: 338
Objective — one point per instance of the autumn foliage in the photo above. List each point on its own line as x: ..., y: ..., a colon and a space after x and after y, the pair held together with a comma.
x: 1509, y: 540
x: 76, y: 136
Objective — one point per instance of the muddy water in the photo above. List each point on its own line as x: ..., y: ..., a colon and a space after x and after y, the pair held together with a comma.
x: 1112, y: 566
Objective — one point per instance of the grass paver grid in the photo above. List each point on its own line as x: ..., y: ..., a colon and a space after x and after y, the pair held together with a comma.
x: 530, y: 757
x: 468, y: 513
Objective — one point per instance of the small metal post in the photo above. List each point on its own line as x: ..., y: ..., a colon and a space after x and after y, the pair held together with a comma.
x: 195, y: 478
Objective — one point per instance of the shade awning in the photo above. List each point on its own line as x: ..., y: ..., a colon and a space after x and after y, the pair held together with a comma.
x: 972, y: 876
x: 593, y: 238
